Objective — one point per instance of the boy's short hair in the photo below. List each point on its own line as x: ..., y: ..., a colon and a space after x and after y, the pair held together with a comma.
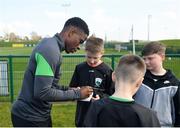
x: 79, y: 23
x: 94, y: 45
x: 154, y: 47
x: 130, y: 68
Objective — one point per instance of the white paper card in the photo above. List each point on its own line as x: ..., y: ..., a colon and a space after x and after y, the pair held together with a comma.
x: 88, y: 99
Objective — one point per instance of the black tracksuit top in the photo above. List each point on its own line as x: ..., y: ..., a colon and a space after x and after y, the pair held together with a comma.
x: 98, y: 77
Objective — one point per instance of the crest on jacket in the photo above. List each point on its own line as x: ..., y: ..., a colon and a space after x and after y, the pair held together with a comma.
x: 98, y: 82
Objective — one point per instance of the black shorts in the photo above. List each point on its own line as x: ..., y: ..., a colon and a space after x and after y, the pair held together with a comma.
x: 19, y: 122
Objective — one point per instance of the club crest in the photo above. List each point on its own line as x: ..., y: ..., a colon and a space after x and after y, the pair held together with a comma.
x: 98, y: 82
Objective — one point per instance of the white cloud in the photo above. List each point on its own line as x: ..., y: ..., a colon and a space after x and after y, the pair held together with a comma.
x: 18, y: 27
x: 113, y: 18
x: 55, y: 14
x: 102, y: 24
x: 170, y: 15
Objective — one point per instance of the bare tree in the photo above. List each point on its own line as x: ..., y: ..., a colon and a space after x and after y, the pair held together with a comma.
x: 13, y: 37
x: 35, y: 36
x: 26, y: 38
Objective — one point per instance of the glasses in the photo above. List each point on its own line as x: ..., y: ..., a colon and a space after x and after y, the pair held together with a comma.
x: 80, y: 35
x: 81, y: 41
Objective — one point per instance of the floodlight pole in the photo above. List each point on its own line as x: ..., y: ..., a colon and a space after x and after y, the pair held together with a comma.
x: 148, y: 28
x: 66, y: 5
x: 132, y: 32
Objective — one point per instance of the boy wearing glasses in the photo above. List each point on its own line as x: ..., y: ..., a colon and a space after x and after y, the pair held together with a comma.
x: 93, y: 72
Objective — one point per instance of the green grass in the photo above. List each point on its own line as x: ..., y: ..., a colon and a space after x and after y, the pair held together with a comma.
x: 15, y: 51
x: 5, y: 116
x: 171, y: 42
x: 173, y: 64
x: 62, y: 114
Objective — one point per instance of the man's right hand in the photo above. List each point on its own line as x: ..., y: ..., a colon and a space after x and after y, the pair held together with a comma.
x: 85, y: 91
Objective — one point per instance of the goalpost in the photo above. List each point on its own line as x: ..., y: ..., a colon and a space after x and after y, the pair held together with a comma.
x: 4, y: 88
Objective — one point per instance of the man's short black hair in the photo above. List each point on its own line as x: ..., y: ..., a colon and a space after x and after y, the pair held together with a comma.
x: 79, y: 23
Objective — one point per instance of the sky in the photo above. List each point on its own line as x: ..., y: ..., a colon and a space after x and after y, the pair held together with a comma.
x: 113, y: 19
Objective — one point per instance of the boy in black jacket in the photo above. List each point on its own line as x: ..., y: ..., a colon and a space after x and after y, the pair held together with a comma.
x: 94, y: 72
x: 120, y: 110
x: 160, y: 89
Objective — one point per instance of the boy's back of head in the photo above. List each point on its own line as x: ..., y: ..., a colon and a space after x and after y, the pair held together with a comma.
x: 153, y: 48
x: 130, y: 68
x: 94, y: 45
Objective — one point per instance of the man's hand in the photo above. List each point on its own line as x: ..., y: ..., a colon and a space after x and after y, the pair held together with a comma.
x: 85, y: 91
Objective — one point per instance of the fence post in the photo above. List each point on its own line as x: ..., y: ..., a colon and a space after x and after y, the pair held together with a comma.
x: 112, y: 62
x: 11, y: 78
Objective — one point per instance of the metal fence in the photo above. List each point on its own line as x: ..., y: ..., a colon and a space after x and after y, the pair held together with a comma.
x: 12, y: 70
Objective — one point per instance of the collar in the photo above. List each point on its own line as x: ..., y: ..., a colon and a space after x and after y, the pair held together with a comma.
x: 121, y: 99
x: 60, y: 42
x: 167, y: 75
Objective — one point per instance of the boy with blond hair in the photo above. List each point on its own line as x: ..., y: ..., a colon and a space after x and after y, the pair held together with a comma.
x: 160, y: 90
x: 120, y: 110
x: 93, y: 72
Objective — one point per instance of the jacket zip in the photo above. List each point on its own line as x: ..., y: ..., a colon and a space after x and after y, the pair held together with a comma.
x: 152, y: 98
x: 153, y: 94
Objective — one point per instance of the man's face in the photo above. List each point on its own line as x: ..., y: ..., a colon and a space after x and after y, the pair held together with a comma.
x: 75, y: 38
x: 154, y: 61
x: 93, y: 60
